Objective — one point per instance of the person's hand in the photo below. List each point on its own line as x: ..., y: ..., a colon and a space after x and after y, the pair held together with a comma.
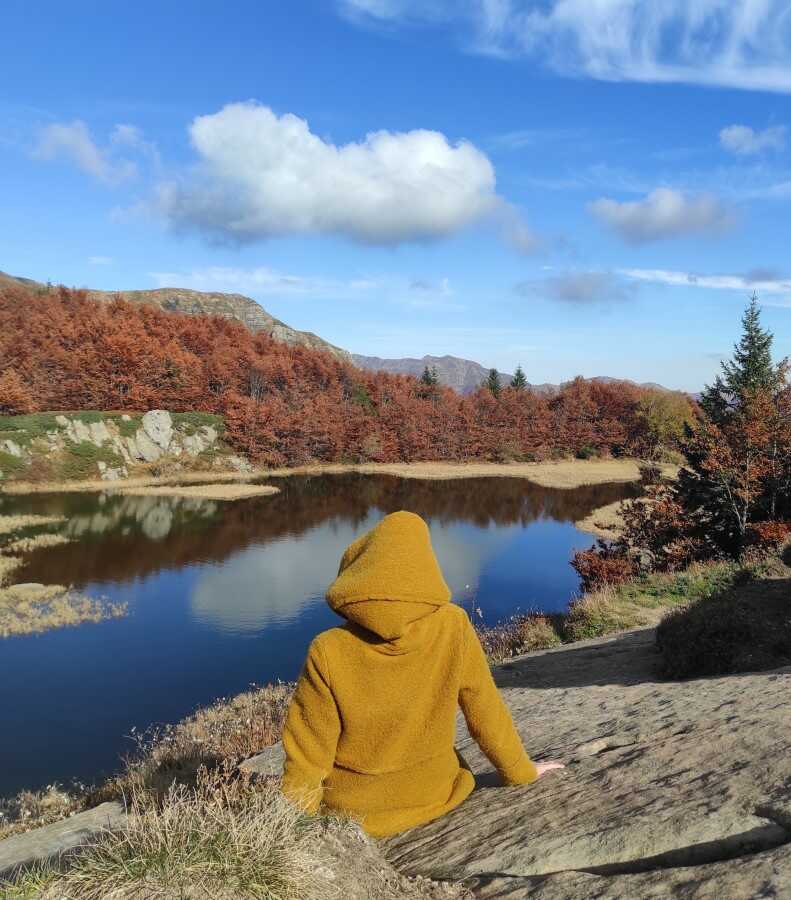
x: 543, y: 768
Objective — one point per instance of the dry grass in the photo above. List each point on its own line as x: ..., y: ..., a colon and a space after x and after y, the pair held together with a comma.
x: 605, y: 522
x: 222, y: 839
x: 179, y: 478
x: 37, y: 542
x: 567, y: 473
x: 205, y: 492
x: 32, y: 809
x: 12, y: 524
x: 7, y: 566
x: 34, y: 608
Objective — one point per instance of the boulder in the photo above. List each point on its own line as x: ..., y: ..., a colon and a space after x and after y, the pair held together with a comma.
x: 158, y: 427
x: 11, y: 447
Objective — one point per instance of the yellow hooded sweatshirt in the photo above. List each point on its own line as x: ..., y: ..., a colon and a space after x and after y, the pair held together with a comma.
x: 371, y: 727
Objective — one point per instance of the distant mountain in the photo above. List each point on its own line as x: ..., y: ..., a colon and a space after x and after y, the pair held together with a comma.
x: 463, y: 375
x: 229, y: 306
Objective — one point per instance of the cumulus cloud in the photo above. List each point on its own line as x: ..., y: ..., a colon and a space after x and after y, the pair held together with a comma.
x: 744, y: 44
x: 584, y: 288
x: 744, y: 141
x: 73, y: 141
x: 664, y: 213
x: 261, y: 175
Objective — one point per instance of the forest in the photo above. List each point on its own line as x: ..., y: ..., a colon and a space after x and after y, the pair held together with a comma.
x: 289, y: 405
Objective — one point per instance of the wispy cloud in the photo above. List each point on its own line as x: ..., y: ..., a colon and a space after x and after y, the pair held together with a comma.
x: 745, y: 141
x: 761, y: 281
x: 260, y: 281
x: 109, y: 162
x: 719, y: 43
x: 664, y: 213
x: 100, y: 260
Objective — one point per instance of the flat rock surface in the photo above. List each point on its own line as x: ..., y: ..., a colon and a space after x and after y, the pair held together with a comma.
x: 673, y: 789
x: 51, y: 841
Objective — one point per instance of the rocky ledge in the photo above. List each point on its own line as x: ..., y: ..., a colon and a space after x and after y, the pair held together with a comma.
x: 673, y: 789
x: 108, y: 446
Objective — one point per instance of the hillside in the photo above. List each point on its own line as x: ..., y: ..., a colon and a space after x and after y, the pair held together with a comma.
x: 229, y: 306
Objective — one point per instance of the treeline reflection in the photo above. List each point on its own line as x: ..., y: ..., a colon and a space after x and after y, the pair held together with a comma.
x: 120, y: 538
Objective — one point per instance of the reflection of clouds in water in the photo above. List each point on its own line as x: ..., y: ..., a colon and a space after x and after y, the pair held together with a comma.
x: 274, y: 583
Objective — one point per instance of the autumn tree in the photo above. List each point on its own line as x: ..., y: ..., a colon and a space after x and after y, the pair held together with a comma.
x: 15, y: 396
x: 663, y: 417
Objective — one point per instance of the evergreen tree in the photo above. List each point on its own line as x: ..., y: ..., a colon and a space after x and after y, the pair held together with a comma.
x: 519, y: 381
x: 493, y: 382
x: 429, y: 377
x: 750, y: 369
x: 434, y: 375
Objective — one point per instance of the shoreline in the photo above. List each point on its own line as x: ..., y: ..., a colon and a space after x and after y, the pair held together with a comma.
x: 564, y: 474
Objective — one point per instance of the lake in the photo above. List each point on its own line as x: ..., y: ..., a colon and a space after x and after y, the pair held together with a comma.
x: 224, y: 595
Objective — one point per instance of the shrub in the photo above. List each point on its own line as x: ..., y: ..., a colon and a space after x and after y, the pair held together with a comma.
x: 602, y: 565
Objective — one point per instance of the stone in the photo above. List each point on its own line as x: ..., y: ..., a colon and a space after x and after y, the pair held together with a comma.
x: 11, y: 447
x: 52, y: 842
x: 142, y: 448
x: 158, y: 426
x: 99, y: 433
x: 672, y: 789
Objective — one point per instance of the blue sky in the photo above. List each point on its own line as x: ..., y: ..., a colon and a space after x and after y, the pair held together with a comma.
x: 580, y: 187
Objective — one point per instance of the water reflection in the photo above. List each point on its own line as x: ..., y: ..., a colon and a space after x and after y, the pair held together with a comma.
x: 224, y: 594
x: 124, y: 538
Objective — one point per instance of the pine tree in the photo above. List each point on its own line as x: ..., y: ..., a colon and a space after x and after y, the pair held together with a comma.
x: 429, y: 377
x: 493, y: 382
x: 750, y: 369
x: 519, y: 382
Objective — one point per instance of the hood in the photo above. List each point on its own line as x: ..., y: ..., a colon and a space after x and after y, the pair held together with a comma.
x: 389, y: 578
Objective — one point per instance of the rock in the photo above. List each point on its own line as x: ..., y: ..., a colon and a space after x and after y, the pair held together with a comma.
x: 62, y: 421
x: 672, y: 788
x: 11, y: 447
x: 99, y: 433
x: 50, y: 843
x: 158, y: 426
x: 142, y: 449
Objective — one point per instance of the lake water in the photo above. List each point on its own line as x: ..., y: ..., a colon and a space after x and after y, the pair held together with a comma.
x: 224, y: 595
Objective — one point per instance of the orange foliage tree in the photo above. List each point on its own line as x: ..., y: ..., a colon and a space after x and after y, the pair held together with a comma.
x: 285, y: 404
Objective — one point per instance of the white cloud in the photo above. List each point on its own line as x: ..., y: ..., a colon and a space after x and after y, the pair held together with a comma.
x: 664, y: 213
x: 744, y: 141
x: 760, y: 281
x: 262, y: 175
x: 100, y: 260
x: 744, y: 44
x: 73, y: 141
x: 584, y: 288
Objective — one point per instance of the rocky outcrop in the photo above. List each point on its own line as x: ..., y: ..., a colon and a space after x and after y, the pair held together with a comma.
x: 672, y: 789
x: 110, y: 446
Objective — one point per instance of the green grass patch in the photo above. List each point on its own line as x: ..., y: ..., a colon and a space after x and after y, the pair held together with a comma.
x: 10, y: 464
x: 80, y: 461
x: 612, y: 609
x: 190, y: 422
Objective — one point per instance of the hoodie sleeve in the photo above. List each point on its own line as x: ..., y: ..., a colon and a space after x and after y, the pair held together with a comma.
x: 311, y: 733
x: 488, y: 718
